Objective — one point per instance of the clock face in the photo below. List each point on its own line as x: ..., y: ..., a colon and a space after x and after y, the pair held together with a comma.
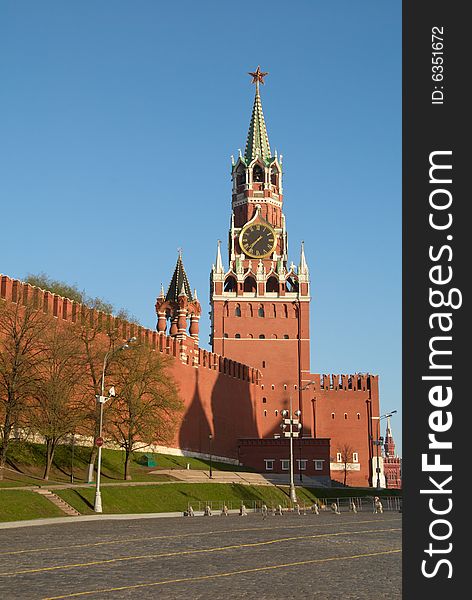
x: 257, y: 240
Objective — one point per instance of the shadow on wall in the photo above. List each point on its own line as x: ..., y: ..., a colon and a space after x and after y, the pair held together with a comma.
x: 195, y: 428
x: 233, y: 403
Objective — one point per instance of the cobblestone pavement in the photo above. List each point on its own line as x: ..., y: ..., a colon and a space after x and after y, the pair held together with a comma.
x: 328, y: 556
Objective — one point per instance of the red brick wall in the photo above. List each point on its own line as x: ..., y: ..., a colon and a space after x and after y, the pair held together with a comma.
x: 219, y: 394
x: 253, y: 452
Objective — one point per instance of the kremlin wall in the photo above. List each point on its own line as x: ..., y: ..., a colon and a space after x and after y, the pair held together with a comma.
x: 260, y: 335
x: 224, y: 398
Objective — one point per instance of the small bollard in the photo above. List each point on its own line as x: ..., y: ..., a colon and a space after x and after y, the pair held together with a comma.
x: 188, y: 466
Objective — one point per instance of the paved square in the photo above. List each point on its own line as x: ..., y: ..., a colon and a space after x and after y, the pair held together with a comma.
x: 347, y: 556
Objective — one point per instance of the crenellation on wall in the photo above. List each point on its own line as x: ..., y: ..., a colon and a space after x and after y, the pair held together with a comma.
x: 357, y: 382
x: 69, y: 310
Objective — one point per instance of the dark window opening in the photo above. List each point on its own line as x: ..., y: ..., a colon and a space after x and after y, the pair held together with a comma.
x: 250, y: 284
x: 237, y: 335
x: 260, y: 312
x: 291, y: 285
x: 262, y: 336
x: 237, y: 311
x: 272, y: 285
x: 230, y: 284
x: 258, y: 174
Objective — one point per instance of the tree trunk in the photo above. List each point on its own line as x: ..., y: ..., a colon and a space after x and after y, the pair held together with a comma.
x: 7, y: 427
x: 50, y: 447
x: 127, y: 462
x: 345, y: 475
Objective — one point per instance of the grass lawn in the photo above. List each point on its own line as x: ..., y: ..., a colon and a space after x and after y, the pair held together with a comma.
x: 174, y: 497
x: 18, y: 505
x: 26, y: 462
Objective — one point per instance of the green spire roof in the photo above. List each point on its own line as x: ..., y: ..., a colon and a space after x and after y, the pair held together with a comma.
x: 257, y: 138
x: 179, y: 282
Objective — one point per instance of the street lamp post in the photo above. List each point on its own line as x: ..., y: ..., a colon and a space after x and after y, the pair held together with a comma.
x: 72, y: 458
x: 101, y: 400
x: 210, y: 437
x: 294, y: 427
x: 378, y: 442
x: 305, y: 387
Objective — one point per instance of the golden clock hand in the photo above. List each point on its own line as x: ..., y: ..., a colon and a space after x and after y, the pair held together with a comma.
x: 254, y: 243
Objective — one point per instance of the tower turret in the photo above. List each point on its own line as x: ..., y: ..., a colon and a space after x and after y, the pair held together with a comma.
x: 178, y: 305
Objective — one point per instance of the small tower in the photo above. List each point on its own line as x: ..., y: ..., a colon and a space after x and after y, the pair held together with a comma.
x: 178, y: 306
x: 392, y: 462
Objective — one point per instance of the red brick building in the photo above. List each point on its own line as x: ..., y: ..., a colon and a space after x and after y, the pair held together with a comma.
x: 260, y: 335
x: 260, y: 314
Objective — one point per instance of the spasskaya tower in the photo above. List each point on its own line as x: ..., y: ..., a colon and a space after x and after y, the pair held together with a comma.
x: 260, y: 302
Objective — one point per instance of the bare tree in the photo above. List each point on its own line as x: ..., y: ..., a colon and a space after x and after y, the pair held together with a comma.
x: 57, y: 403
x: 21, y: 325
x: 94, y: 345
x: 145, y: 410
x: 346, y: 459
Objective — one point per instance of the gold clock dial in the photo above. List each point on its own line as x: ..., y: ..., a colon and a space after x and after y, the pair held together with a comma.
x: 257, y: 240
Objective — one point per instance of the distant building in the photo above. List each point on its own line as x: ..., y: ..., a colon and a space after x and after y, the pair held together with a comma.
x: 392, y: 463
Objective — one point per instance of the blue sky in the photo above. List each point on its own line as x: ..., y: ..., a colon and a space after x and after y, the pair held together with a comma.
x: 117, y: 122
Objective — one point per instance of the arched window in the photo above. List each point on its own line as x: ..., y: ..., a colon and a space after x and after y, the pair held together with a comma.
x: 249, y: 310
x: 262, y: 336
x: 260, y: 311
x: 258, y: 174
x: 286, y: 337
x: 240, y: 176
x: 237, y: 311
x: 230, y: 284
x: 264, y: 400
x: 237, y: 335
x: 276, y: 413
x: 263, y: 364
x: 274, y: 336
x: 272, y: 284
x: 332, y: 415
x: 358, y: 416
x: 274, y: 310
x: 274, y: 176
x: 291, y: 284
x: 285, y: 311
x: 250, y: 336
x: 345, y: 415
x: 250, y: 284
x: 265, y: 413
x: 225, y: 335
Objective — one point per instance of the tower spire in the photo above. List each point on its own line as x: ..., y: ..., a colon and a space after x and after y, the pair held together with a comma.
x: 219, y: 262
x: 257, y: 143
x: 303, y: 267
x: 179, y: 282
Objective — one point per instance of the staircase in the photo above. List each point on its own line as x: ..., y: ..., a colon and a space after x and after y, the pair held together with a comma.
x: 59, y: 502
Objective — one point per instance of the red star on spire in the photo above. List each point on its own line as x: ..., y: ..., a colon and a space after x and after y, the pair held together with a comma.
x: 257, y: 76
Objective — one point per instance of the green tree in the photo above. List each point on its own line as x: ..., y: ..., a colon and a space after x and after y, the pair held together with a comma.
x: 72, y: 292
